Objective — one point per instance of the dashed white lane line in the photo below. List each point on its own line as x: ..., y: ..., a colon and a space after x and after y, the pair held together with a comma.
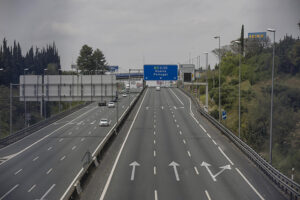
x: 7, y: 193
x: 95, y: 127
x: 154, y: 170
x: 49, y: 148
x: 89, y: 132
x: 32, y: 187
x: 175, y: 120
x: 154, y: 153
x: 60, y: 140
x: 207, y: 195
x: 196, y: 170
x: 189, y: 153
x: 49, y: 190
x: 70, y: 133
x: 214, y: 142
x: 180, y: 132
x: 208, y: 135
x: 225, y: 155
x: 154, y: 126
x: 82, y: 139
x: 154, y: 133
x: 77, y: 128
x: 177, y: 126
x: 35, y: 158
x: 18, y: 171
x: 253, y: 188
x: 74, y: 147
x: 155, y: 195
x: 50, y: 170
x: 184, y: 142
x: 154, y: 142
x: 62, y: 158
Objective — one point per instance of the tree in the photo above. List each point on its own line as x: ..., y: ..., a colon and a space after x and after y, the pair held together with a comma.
x: 99, y: 60
x: 85, y: 59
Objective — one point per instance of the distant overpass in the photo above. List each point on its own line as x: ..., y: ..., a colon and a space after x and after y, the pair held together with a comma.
x: 126, y: 75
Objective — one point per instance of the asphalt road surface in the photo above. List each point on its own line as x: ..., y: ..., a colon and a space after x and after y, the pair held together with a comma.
x: 171, y: 152
x: 43, y: 165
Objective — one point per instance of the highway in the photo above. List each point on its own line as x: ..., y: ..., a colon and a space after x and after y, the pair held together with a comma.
x: 44, y: 164
x: 171, y: 152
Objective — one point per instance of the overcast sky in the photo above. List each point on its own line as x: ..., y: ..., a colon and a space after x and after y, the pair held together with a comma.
x: 130, y: 32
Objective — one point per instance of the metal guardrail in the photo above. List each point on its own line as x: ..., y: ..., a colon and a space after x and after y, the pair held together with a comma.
x: 84, y: 171
x: 35, y: 127
x: 288, y: 186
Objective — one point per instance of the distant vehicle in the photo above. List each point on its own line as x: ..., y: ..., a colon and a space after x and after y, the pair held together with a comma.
x: 157, y: 88
x: 124, y: 95
x: 115, y: 99
x: 102, y: 103
x: 127, y: 86
x: 104, y: 122
x: 111, y: 104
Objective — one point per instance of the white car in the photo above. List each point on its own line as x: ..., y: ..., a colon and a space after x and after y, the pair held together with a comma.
x: 124, y: 95
x: 104, y: 122
x: 111, y: 105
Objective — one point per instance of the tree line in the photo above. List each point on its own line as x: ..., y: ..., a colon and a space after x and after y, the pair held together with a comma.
x: 13, y: 63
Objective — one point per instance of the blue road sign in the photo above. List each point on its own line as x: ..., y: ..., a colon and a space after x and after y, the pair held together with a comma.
x: 257, y: 35
x: 113, y: 68
x: 160, y: 72
x: 224, y: 114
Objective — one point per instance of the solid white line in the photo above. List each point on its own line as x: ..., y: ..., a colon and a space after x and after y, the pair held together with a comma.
x: 18, y: 171
x: 225, y: 156
x: 214, y: 142
x: 155, y: 195
x: 61, y: 139
x: 50, y: 170
x: 196, y: 170
x: 73, y: 147
x: 35, y: 158
x: 208, y: 135
x: 120, y: 151
x: 154, y: 170
x: 62, y: 158
x: 32, y: 187
x: 154, y: 153
x: 7, y: 193
x: 203, y: 128
x: 49, y: 190
x: 207, y: 195
x: 249, y: 184
x: 189, y: 153
x: 183, y: 141
x: 176, y: 96
x: 49, y: 148
x: 49, y: 134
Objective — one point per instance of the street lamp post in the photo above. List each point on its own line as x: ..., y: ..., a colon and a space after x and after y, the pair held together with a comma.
x: 206, y: 87
x: 0, y: 116
x: 60, y: 72
x: 271, y: 120
x: 25, y: 111
x: 239, y: 42
x: 219, y: 37
x: 44, y: 91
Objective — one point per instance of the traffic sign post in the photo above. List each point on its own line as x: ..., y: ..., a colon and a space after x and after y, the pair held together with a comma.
x: 160, y: 72
x: 224, y: 115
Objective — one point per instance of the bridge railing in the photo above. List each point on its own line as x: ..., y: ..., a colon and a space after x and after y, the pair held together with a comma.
x: 288, y: 186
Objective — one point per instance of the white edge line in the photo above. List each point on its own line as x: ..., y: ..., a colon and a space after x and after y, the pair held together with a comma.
x: 225, y: 155
x: 176, y: 96
x: 207, y: 195
x: 120, y: 151
x: 72, y: 183
x: 7, y: 193
x: 249, y: 184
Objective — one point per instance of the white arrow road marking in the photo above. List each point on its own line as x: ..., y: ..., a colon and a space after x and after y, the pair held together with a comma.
x: 133, y: 164
x: 93, y: 122
x: 175, y: 165
x: 223, y: 168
